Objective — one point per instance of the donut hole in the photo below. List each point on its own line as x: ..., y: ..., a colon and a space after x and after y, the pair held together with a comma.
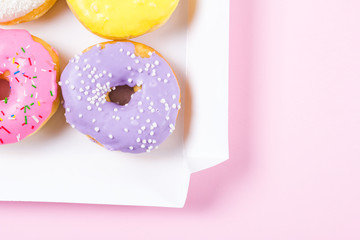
x: 4, y: 87
x: 121, y: 95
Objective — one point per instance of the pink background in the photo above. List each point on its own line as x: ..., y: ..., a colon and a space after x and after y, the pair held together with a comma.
x: 294, y: 168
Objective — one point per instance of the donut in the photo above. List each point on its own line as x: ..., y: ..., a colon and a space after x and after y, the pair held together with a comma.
x: 137, y: 125
x: 122, y: 19
x: 29, y: 94
x: 18, y: 11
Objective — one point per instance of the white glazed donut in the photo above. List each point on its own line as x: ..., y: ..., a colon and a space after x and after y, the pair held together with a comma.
x: 17, y: 11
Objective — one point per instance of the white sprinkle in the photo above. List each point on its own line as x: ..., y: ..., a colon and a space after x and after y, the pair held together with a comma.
x: 121, y: 50
x: 156, y: 62
x: 147, y: 65
x: 77, y: 68
x: 99, y: 109
x: 168, y: 75
x: 174, y: 106
x: 128, y: 53
x: 60, y: 83
x: 139, y: 131
x: 163, y: 100
x: 159, y: 79
x: 151, y: 133
x: 148, y: 120
x: 68, y: 109
x: 137, y: 117
x: 126, y: 130
x: 166, y: 81
x: 97, y: 129
x: 89, y: 107
x: 132, y: 56
x: 72, y: 125
x: 110, y: 75
x: 72, y: 87
x: 111, y: 136
x: 113, y: 117
x: 117, y: 118
x: 80, y: 115
x: 149, y: 141
x: 131, y: 147
x: 141, y: 110
x: 82, y: 82
x: 138, y: 140
x: 144, y: 141
x: 128, y: 68
x: 115, y: 110
x: 143, y: 128
x: 140, y: 103
x: 81, y: 90
x: 140, y: 70
x: 142, y: 145
x: 89, y: 76
x: 93, y: 120
x: 79, y: 97
x: 67, y: 82
x: 130, y: 80
x: 86, y: 93
x: 167, y: 118
x: 150, y: 53
x: 148, y: 98
x: 137, y: 61
x: 35, y: 119
x: 173, y: 96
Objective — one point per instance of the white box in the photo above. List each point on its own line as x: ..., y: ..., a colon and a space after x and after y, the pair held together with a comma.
x: 59, y: 164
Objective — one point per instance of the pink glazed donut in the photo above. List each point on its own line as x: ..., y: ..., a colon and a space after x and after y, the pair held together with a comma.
x: 29, y: 70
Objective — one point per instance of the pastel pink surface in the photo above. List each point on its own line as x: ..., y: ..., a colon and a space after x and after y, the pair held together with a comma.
x: 294, y: 162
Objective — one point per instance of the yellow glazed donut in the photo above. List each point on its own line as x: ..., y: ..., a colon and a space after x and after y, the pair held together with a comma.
x: 18, y: 11
x: 122, y: 19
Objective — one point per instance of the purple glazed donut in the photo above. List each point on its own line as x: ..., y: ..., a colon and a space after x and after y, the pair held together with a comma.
x: 137, y: 126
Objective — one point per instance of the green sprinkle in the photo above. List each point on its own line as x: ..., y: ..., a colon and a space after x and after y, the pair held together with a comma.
x: 26, y: 106
x: 25, y: 120
x: 23, y: 49
x: 33, y: 86
x: 31, y: 104
x: 6, y: 100
x: 51, y: 93
x: 32, y: 95
x: 34, y: 76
